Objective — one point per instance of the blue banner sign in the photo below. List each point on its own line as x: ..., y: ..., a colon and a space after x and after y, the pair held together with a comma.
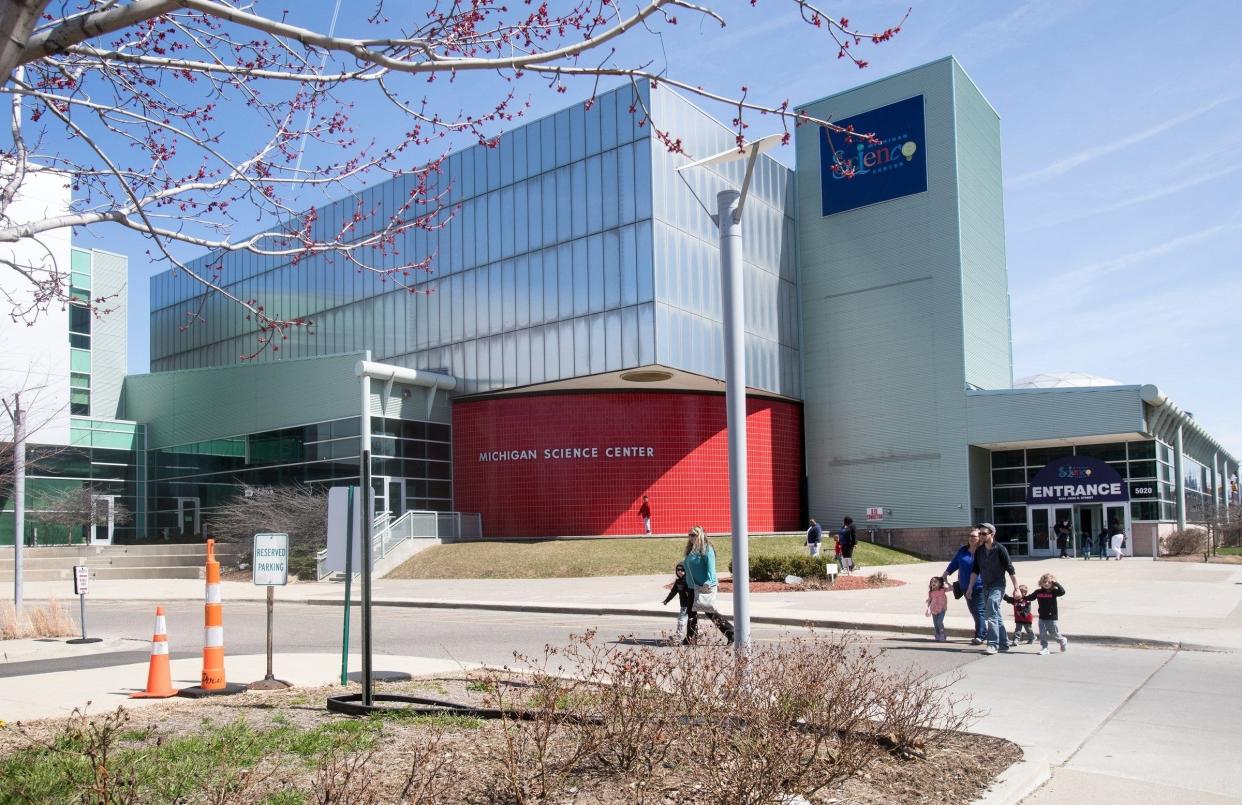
x: 856, y: 173
x: 1077, y: 479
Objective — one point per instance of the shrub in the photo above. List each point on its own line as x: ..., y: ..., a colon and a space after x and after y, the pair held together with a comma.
x: 877, y: 579
x: 1185, y: 542
x: 49, y: 620
x: 776, y: 568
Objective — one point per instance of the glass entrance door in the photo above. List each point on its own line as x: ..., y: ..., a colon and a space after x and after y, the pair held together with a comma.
x: 103, y: 519
x: 389, y: 495
x: 187, y: 517
x: 1043, y: 520
x: 1118, y: 517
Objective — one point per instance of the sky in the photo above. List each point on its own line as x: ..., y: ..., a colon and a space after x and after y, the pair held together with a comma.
x: 1121, y: 126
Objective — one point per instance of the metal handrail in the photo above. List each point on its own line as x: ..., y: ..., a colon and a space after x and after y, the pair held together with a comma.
x: 388, y: 532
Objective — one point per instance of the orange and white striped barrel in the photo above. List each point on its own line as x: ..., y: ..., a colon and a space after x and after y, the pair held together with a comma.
x: 213, y: 626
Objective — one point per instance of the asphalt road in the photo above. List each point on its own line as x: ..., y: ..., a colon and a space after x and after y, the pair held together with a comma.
x: 470, y: 636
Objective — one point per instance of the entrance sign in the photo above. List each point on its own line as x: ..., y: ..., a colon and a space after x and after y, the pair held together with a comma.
x: 271, y: 560
x: 1077, y: 479
x: 855, y: 173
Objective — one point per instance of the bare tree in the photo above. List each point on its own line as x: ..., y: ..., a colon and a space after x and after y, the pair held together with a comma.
x: 1222, y: 525
x: 297, y: 510
x: 70, y: 507
x: 185, y: 119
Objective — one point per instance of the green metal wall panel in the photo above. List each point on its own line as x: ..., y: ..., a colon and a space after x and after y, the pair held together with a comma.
x: 1062, y: 413
x: 109, y: 341
x: 195, y: 405
x: 882, y: 327
x: 985, y: 282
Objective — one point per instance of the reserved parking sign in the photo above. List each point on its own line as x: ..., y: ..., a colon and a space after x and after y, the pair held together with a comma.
x: 271, y: 560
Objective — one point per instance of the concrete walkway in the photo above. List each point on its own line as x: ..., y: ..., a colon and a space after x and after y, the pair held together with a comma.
x: 1129, y: 602
x: 101, y: 690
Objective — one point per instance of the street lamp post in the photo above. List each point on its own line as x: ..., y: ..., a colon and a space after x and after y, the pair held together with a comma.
x: 728, y: 220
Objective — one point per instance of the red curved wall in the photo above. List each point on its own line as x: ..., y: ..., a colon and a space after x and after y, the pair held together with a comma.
x: 504, y: 467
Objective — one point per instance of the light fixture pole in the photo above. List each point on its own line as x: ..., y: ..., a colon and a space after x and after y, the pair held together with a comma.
x: 19, y: 497
x: 728, y: 220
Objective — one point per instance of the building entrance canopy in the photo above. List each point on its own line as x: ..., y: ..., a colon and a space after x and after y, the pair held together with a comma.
x: 1077, y: 479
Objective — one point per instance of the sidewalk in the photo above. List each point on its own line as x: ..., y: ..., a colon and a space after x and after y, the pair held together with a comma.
x: 56, y: 694
x: 1130, y: 602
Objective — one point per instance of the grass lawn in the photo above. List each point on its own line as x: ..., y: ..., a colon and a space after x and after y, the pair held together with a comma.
x: 603, y: 557
x: 1229, y: 551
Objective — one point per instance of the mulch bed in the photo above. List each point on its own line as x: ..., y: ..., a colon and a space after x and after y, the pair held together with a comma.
x: 958, y: 767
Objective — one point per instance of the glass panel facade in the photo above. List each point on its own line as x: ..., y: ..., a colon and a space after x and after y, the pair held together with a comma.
x: 573, y: 221
x: 1012, y: 471
x: 419, y: 454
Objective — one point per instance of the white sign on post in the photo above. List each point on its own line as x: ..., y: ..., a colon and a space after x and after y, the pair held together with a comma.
x: 271, y: 560
x: 81, y: 579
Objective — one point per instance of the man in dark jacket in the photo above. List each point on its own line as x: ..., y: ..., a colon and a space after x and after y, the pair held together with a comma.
x: 814, y: 536
x: 992, y: 562
x: 849, y: 539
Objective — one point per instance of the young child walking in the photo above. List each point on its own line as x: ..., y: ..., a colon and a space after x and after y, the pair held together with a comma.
x: 1046, y: 597
x: 686, y: 619
x: 937, y: 603
x: 1022, y: 618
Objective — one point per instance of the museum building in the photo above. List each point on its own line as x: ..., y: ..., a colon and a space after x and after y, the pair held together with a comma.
x: 568, y: 354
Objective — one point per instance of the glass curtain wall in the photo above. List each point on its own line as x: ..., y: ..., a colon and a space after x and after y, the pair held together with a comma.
x: 191, y: 480
x: 542, y: 266
x: 1140, y: 463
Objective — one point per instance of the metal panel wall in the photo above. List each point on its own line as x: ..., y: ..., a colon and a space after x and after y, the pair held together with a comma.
x: 985, y: 282
x: 1063, y: 413
x: 881, y: 290
x: 109, y: 343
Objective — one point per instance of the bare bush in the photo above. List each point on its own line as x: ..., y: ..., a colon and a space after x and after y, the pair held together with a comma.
x: 877, y: 579
x: 1185, y: 542
x: 48, y: 620
x: 798, y: 717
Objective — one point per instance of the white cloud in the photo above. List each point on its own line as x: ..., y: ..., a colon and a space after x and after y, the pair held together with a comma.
x: 1066, y: 164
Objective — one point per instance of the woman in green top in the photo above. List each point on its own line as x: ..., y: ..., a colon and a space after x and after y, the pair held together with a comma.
x: 700, y: 565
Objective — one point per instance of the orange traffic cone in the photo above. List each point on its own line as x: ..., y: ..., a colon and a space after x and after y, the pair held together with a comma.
x: 159, y: 680
x: 213, y: 682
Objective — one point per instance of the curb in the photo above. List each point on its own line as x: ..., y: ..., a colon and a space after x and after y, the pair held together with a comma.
x: 767, y: 620
x: 1019, y: 781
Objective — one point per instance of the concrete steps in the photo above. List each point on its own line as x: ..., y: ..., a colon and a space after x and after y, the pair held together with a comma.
x: 151, y: 561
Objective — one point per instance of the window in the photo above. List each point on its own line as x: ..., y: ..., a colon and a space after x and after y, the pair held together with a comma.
x: 80, y: 402
x: 79, y: 319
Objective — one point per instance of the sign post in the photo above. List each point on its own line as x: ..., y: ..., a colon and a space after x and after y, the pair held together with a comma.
x: 270, y: 569
x: 81, y: 582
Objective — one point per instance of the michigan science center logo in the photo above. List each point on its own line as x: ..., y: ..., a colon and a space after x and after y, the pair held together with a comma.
x: 856, y: 173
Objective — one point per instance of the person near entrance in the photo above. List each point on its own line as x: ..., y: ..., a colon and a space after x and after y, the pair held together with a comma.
x: 964, y: 563
x: 1063, y: 531
x: 644, y: 511
x: 1117, y: 540
x: 814, y: 536
x: 992, y: 563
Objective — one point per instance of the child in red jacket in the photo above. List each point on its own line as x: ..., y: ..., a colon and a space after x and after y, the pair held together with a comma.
x: 1022, y: 618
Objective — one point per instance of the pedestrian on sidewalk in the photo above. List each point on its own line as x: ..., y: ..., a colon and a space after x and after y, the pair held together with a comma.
x: 849, y: 539
x: 700, y: 564
x: 937, y: 603
x: 1046, y: 597
x: 963, y: 562
x: 685, y: 598
x: 814, y: 535
x: 1101, y: 543
x: 1022, y: 618
x: 992, y: 563
x: 644, y: 511
x: 1088, y: 544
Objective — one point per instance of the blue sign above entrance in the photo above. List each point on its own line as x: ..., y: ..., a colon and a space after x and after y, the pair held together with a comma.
x: 1077, y: 479
x: 854, y: 173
